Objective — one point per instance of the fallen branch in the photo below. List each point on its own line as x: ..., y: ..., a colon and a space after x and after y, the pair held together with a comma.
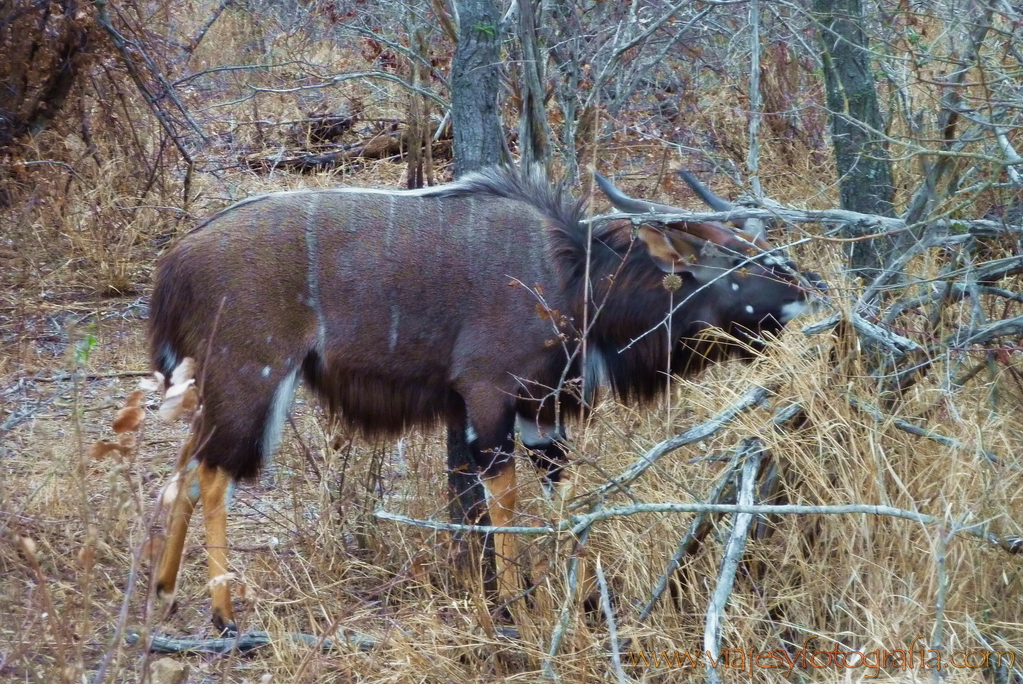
x: 577, y: 524
x: 249, y: 642
x: 566, y: 612
x: 752, y: 397
x: 723, y: 492
x: 882, y: 224
x: 880, y: 417
x: 65, y: 377
x: 750, y: 453
x: 612, y: 627
x: 952, y: 293
x: 873, y: 331
x: 971, y: 335
x: 382, y: 146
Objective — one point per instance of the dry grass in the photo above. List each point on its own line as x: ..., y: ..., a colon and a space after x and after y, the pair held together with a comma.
x: 79, y: 243
x: 311, y: 556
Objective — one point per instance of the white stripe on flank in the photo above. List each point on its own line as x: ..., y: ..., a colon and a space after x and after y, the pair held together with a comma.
x: 312, y: 244
x: 392, y: 338
x: 595, y: 373
x: 279, y: 408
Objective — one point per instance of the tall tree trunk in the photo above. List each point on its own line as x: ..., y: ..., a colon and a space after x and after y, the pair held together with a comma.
x: 864, y: 167
x: 474, y: 84
x: 534, y: 131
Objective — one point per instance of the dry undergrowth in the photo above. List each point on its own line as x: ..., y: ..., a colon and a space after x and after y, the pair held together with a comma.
x: 311, y: 557
x: 78, y: 245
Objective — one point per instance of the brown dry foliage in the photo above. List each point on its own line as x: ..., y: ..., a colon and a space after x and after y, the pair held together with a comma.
x: 97, y: 195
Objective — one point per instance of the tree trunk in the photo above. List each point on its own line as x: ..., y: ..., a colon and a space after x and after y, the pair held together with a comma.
x: 534, y: 131
x: 474, y: 84
x: 864, y: 167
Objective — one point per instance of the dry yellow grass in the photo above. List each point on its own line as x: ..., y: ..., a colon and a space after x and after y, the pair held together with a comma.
x: 311, y: 556
x: 75, y: 266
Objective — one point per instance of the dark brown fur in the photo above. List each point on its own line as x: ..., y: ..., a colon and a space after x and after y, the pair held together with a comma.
x: 403, y: 310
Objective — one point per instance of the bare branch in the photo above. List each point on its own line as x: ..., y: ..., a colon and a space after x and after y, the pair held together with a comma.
x: 566, y: 612
x: 577, y: 524
x: 251, y: 641
x: 750, y: 452
x: 877, y: 333
x: 880, y: 224
x: 752, y: 397
x: 612, y: 628
x: 906, y: 426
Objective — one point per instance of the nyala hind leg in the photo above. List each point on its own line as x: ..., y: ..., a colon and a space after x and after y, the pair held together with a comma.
x: 183, y: 494
x: 214, y: 486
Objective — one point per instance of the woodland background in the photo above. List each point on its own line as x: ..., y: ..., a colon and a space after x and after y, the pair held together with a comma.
x: 879, y: 139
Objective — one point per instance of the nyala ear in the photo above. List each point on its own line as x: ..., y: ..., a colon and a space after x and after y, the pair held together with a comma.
x: 672, y: 252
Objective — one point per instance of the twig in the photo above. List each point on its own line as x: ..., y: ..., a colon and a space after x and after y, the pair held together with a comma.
x: 191, y: 47
x: 357, y: 75
x: 724, y: 488
x: 129, y: 591
x: 756, y: 101
x: 460, y: 527
x: 750, y: 453
x: 940, y: 554
x: 28, y: 546
x: 880, y: 417
x: 612, y: 628
x: 64, y: 377
x: 752, y: 397
x: 577, y: 524
x: 122, y: 44
x: 565, y: 615
x: 953, y: 292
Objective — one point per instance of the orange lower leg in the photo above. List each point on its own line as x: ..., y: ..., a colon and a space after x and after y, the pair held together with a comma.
x: 501, y: 506
x: 213, y: 486
x: 182, y: 504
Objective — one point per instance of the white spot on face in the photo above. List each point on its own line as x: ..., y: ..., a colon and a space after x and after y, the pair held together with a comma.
x: 265, y: 372
x: 470, y: 433
x: 794, y: 310
x: 269, y: 339
x: 735, y: 287
x: 749, y: 309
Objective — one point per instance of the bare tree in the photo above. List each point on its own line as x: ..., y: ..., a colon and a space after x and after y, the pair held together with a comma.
x: 864, y: 166
x: 475, y: 117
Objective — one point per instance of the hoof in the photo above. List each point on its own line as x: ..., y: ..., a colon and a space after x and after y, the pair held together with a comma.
x: 226, y: 628
x: 502, y: 615
x: 166, y: 601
